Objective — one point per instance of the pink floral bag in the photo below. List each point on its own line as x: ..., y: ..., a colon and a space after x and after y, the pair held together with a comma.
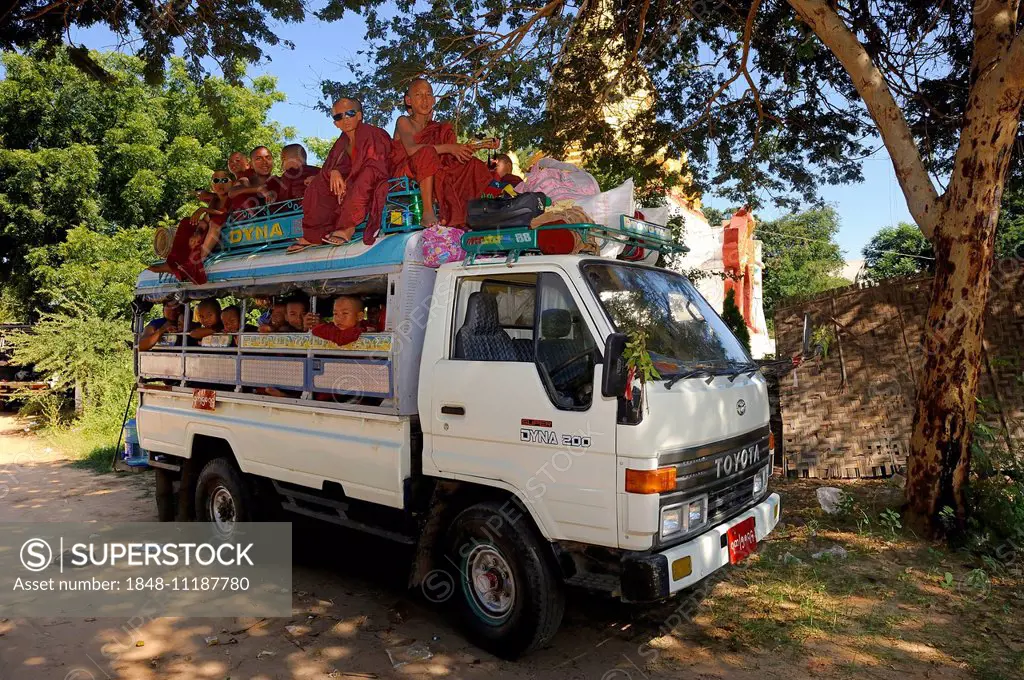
x: 442, y: 244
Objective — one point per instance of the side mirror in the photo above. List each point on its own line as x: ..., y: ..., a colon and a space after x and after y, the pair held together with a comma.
x: 613, y: 377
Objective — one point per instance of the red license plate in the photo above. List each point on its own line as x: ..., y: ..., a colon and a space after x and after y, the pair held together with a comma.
x: 204, y: 400
x: 742, y: 540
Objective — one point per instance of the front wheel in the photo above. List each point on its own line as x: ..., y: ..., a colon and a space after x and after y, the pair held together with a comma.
x: 222, y: 496
x: 507, y: 594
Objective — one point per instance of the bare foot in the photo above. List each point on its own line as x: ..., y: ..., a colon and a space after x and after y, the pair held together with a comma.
x: 429, y: 217
x: 160, y: 268
x: 339, y: 237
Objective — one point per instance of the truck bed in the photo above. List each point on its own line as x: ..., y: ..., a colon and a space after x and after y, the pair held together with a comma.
x: 368, y: 454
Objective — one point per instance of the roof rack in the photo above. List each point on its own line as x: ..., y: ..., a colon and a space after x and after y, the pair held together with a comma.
x: 515, y: 241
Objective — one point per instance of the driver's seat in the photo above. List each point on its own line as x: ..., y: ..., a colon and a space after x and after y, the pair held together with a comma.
x: 481, y: 337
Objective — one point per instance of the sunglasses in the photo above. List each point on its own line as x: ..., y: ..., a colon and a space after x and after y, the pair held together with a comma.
x: 351, y: 113
x: 221, y: 180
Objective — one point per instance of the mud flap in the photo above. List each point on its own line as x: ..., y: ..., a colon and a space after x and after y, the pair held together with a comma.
x: 431, y: 528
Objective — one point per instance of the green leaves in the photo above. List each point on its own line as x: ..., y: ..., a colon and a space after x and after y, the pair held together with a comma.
x: 77, y: 152
x: 638, y: 357
x: 92, y: 274
x: 800, y: 255
x: 898, y: 251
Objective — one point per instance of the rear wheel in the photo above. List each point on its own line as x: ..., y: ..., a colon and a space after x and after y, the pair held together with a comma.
x: 222, y: 496
x: 507, y: 594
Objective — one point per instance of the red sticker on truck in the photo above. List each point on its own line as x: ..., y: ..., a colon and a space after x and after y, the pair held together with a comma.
x: 204, y: 400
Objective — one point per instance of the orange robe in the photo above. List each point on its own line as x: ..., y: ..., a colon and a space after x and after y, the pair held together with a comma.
x: 366, y: 172
x: 291, y: 185
x: 455, y: 182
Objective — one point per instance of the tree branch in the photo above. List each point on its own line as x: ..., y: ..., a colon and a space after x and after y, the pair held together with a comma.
x: 922, y: 199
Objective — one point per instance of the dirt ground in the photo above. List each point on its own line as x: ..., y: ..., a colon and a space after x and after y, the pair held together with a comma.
x: 351, y: 611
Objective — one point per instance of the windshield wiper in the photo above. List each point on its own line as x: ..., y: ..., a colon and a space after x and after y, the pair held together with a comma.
x: 693, y: 373
x: 750, y: 368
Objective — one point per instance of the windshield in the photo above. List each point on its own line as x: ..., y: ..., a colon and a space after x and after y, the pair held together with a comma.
x: 684, y: 332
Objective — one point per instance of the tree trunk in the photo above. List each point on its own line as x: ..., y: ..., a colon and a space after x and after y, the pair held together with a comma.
x: 940, y: 453
x: 944, y: 416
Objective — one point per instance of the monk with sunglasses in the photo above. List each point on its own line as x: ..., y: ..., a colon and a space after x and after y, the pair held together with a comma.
x: 428, y: 152
x: 352, y: 185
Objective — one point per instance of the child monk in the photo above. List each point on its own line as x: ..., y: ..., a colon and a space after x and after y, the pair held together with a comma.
x: 239, y: 166
x: 296, y: 175
x: 246, y: 195
x: 344, y: 327
x: 503, y: 170
x: 209, y: 320
x: 352, y: 185
x: 295, y: 311
x: 428, y: 152
x: 276, y: 322
x: 197, y: 235
x: 231, y: 318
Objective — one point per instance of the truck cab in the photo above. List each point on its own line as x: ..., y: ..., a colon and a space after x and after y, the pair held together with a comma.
x: 496, y: 423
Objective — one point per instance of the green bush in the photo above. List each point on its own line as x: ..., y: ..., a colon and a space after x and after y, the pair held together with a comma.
x: 996, y: 489
x: 733, y: 318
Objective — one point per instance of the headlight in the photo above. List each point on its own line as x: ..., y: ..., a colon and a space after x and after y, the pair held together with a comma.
x: 683, y: 517
x: 761, y: 480
x: 672, y: 521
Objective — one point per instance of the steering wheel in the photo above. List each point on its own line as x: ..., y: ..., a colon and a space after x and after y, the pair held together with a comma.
x: 569, y: 362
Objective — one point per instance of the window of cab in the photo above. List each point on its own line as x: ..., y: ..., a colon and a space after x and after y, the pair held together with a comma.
x: 530, y: 318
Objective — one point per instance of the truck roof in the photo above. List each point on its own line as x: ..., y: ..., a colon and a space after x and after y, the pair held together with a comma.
x: 276, y: 266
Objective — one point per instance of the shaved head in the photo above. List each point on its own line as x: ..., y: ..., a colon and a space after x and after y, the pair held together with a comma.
x: 345, y: 103
x: 418, y: 82
x: 296, y: 150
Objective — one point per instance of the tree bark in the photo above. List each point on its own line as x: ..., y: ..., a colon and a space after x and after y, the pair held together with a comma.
x: 940, y: 444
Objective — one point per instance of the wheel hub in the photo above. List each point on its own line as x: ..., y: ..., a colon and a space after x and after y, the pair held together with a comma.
x: 492, y: 584
x: 222, y: 508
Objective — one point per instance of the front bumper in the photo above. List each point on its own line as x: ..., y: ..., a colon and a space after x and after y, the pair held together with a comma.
x: 647, y: 577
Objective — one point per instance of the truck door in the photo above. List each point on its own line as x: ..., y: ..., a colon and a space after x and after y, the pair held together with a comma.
x: 514, y: 402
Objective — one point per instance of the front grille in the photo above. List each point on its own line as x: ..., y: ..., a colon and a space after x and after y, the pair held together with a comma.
x: 724, y: 471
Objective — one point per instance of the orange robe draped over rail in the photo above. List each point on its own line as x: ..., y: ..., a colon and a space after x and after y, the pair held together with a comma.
x: 186, y: 260
x: 366, y: 173
x: 455, y: 182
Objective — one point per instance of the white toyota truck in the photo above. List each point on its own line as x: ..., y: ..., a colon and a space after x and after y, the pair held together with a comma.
x: 489, y: 416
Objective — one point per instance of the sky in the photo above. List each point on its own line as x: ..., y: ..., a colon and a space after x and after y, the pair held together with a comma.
x: 322, y: 50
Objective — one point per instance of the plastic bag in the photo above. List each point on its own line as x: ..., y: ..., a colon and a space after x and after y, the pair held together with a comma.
x: 606, y: 208
x: 442, y: 244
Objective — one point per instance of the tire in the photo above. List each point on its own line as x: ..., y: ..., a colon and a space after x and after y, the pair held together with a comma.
x: 524, y: 606
x: 222, y: 484
x: 164, y: 495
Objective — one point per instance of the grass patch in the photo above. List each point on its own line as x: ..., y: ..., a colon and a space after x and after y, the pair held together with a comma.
x: 889, y: 602
x: 88, y: 449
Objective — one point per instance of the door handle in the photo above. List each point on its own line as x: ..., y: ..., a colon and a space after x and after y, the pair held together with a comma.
x: 453, y: 410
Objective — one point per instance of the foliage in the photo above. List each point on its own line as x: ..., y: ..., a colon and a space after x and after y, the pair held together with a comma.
x: 75, y: 152
x: 227, y: 34
x: 715, y: 217
x: 823, y: 336
x: 996, y: 489
x: 733, y: 318
x: 86, y: 282
x: 898, y: 251
x: 92, y: 272
x: 890, y: 521
x: 1010, y: 231
x: 800, y: 255
x: 638, y: 357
